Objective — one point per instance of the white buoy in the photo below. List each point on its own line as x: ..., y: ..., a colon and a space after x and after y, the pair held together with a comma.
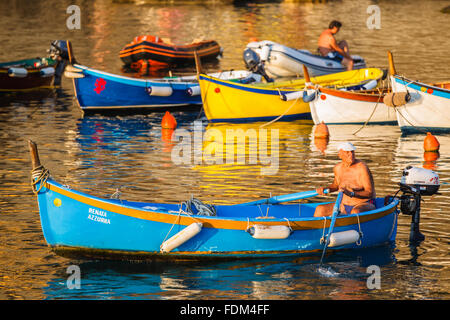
x: 344, y: 237
x: 17, y: 72
x: 260, y: 231
x: 47, y: 72
x: 264, y: 53
x: 291, y: 96
x: 160, y: 91
x: 193, y: 91
x: 69, y: 74
x: 181, y: 237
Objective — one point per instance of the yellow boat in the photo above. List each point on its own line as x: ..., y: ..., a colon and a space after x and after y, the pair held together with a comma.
x: 228, y: 101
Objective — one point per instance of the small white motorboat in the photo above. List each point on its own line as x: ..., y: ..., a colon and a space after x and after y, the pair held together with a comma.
x: 281, y: 61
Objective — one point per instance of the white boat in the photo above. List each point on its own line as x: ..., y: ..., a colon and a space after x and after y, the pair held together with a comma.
x: 282, y: 61
x: 428, y: 108
x: 351, y: 107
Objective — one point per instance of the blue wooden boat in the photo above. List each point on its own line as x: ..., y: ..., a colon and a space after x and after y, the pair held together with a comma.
x: 74, y: 222
x: 97, y: 91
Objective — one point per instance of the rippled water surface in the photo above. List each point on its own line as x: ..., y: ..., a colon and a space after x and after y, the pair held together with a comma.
x: 98, y: 154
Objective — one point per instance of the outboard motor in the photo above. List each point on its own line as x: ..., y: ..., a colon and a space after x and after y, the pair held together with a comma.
x: 254, y: 63
x: 59, y: 51
x: 415, y: 183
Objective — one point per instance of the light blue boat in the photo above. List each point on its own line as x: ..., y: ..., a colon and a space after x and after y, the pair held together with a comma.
x: 77, y: 223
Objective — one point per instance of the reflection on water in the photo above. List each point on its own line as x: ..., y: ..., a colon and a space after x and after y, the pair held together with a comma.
x: 100, y: 154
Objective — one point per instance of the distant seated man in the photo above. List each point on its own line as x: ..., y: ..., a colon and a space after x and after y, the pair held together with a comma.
x: 329, y: 47
x: 353, y: 177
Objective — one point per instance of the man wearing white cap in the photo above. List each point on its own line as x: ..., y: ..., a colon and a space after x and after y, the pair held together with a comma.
x: 353, y: 177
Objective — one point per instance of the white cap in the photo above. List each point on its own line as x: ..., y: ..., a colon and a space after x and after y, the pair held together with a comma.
x: 346, y: 146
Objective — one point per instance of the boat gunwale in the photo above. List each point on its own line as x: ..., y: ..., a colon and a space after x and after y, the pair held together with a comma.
x: 353, y: 95
x: 416, y: 83
x: 275, y: 90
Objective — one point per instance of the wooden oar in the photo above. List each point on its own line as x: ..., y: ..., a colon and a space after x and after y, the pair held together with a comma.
x: 333, y: 221
x: 286, y: 198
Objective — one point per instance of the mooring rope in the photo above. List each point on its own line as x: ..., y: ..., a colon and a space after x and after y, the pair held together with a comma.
x: 281, y: 115
x: 39, y: 175
x: 371, y: 115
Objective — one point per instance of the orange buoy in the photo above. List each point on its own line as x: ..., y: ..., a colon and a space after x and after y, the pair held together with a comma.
x: 430, y: 143
x: 168, y: 121
x: 321, y: 131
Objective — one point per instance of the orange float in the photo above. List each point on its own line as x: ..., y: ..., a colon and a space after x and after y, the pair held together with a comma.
x: 168, y: 121
x: 430, y: 143
x: 321, y: 131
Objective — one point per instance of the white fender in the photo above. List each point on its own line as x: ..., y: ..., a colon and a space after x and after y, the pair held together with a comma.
x: 160, y: 91
x: 69, y: 74
x: 291, y: 96
x: 260, y: 231
x: 264, y: 53
x: 47, y: 72
x: 181, y: 237
x: 344, y: 237
x: 193, y: 91
x: 17, y: 72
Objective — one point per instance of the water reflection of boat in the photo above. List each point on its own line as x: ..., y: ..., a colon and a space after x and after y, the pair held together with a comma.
x: 278, y: 278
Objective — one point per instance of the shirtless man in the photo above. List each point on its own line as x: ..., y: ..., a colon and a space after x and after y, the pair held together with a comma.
x: 352, y: 177
x: 327, y: 43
